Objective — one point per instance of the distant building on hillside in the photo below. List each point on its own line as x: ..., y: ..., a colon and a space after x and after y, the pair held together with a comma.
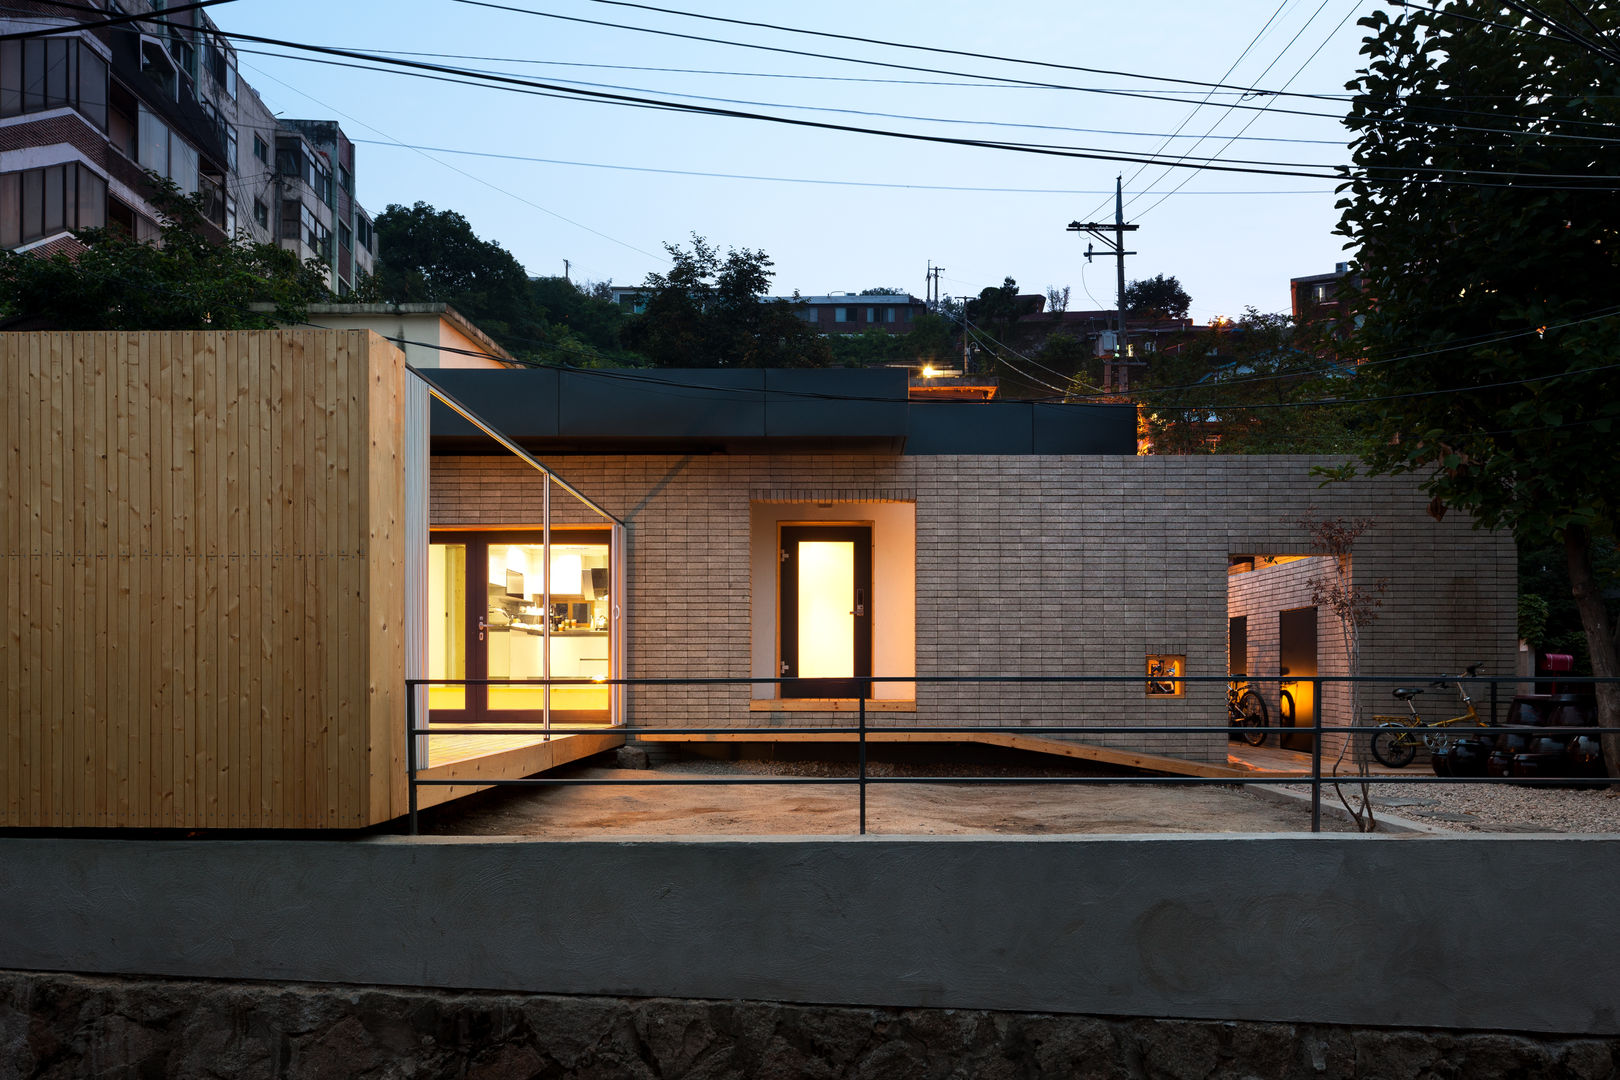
x: 1320, y: 298
x: 835, y: 313
x: 86, y: 113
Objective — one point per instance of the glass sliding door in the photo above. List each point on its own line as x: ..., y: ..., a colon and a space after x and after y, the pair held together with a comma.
x: 532, y: 609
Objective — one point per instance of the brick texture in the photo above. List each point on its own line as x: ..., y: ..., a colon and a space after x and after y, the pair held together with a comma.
x: 1026, y: 565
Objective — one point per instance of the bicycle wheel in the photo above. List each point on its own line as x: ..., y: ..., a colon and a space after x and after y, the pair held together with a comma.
x: 1392, y: 747
x: 1255, y: 719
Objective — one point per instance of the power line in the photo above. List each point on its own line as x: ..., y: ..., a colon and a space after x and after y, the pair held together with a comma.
x: 801, y: 179
x: 1252, y: 119
x: 514, y: 84
x: 1194, y: 112
x: 870, y: 112
x: 785, y: 75
x: 463, y: 172
x: 946, y: 52
x: 997, y: 79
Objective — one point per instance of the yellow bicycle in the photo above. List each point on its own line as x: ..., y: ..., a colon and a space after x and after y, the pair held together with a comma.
x: 1397, y: 739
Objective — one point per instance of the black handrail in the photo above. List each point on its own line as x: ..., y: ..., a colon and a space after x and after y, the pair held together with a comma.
x: 863, y: 733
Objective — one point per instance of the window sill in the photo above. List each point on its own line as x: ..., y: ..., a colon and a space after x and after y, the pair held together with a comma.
x: 830, y: 705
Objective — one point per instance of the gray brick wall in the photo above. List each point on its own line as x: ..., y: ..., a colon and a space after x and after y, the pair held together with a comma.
x: 1025, y: 565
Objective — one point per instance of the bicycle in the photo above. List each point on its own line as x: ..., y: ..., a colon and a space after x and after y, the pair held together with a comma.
x: 1397, y: 739
x: 1246, y: 710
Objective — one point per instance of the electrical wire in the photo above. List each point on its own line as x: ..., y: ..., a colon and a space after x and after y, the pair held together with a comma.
x: 471, y: 176
x: 867, y: 112
x: 1230, y: 139
x: 517, y: 85
x: 1336, y: 117
x: 1194, y: 112
x: 797, y: 179
x: 886, y: 43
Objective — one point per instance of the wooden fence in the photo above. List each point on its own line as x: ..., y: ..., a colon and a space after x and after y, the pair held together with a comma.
x: 203, y: 548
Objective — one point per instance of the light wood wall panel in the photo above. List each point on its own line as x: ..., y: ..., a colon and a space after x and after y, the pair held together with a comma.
x: 203, y: 547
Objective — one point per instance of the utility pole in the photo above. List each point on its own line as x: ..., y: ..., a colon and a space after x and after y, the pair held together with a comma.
x: 1098, y: 230
x: 932, y: 292
x: 566, y: 266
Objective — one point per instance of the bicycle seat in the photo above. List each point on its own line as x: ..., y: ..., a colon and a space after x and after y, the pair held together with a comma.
x: 1407, y: 695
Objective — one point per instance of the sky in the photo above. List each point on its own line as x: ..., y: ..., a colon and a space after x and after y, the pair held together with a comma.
x: 839, y: 210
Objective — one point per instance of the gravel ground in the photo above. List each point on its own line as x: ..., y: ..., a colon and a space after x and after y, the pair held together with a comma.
x: 581, y: 812
x: 1496, y: 807
x: 1011, y: 809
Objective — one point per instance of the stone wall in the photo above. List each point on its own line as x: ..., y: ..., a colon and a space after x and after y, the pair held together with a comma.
x: 66, y: 1025
x: 1025, y: 565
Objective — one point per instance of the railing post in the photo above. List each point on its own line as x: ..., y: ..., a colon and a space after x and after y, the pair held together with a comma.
x: 862, y: 756
x: 410, y: 749
x: 1316, y: 754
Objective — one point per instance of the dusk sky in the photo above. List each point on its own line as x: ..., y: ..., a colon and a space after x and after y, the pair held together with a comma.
x: 840, y: 210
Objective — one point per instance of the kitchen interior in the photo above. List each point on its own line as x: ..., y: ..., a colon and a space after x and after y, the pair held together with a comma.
x: 578, y: 618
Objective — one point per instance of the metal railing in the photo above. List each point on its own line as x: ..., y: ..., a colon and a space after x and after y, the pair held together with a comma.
x: 1317, y: 731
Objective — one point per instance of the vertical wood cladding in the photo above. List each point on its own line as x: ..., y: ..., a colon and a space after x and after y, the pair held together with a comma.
x: 1026, y: 565
x: 202, y: 537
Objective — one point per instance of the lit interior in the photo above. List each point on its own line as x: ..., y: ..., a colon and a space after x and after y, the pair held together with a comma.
x: 517, y: 621
x: 447, y: 600
x: 826, y: 609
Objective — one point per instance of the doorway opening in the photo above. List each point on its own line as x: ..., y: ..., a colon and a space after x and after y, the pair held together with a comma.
x: 1275, y: 637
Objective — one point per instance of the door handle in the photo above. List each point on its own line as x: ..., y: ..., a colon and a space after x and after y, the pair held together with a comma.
x: 860, y: 603
x: 482, y: 626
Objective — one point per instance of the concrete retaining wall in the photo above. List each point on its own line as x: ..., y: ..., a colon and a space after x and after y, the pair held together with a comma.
x: 1468, y: 933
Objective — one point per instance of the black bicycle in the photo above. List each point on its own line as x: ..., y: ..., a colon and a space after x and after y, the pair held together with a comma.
x: 1246, y: 710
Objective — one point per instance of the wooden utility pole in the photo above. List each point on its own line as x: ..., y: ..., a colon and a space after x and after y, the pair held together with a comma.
x: 1098, y: 231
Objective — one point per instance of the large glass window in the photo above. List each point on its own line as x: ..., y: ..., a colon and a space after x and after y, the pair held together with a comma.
x: 51, y: 73
x: 37, y: 203
x: 503, y: 607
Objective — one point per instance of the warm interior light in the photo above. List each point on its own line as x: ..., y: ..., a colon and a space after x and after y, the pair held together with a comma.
x: 930, y: 372
x: 567, y: 570
x: 826, y: 609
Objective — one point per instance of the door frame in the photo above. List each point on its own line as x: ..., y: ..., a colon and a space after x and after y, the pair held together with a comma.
x: 787, y: 610
x: 477, y: 539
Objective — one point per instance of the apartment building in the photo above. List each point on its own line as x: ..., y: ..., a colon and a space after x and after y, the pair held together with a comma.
x: 86, y: 113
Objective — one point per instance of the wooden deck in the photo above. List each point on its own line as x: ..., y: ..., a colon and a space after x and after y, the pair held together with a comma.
x: 1058, y: 747
x: 1242, y: 760
x: 504, y: 756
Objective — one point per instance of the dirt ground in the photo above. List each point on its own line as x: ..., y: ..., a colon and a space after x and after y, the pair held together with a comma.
x: 587, y: 811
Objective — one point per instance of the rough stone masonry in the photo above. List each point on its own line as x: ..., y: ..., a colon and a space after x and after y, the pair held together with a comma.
x: 54, y: 1025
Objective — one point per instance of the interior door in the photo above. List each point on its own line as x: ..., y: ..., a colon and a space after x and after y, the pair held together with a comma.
x: 824, y: 611
x: 1296, y: 639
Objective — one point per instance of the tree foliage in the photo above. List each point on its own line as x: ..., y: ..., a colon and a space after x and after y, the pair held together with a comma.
x: 433, y: 256
x: 1490, y: 260
x: 1157, y: 297
x: 185, y: 282
x: 997, y: 308
x: 709, y: 311
x: 1246, y: 387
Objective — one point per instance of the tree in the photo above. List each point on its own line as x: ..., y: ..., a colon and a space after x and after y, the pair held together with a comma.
x: 1157, y: 297
x: 187, y: 282
x: 1057, y: 300
x: 433, y: 256
x: 997, y: 308
x: 880, y: 291
x: 1490, y: 261
x: 1246, y: 388
x: 710, y: 311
